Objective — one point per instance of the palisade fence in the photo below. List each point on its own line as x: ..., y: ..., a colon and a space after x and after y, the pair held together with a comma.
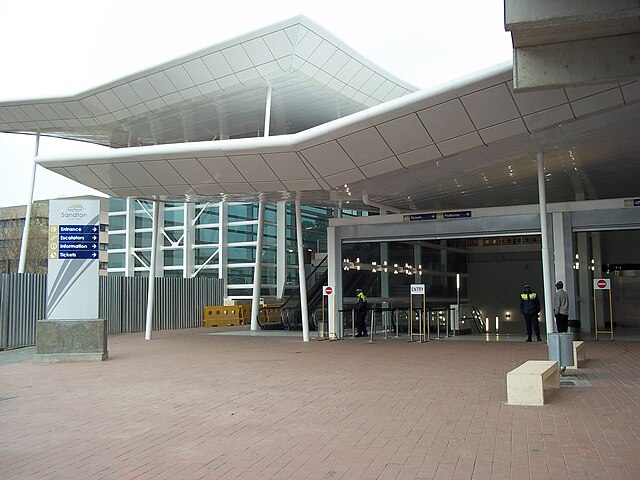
x: 178, y: 303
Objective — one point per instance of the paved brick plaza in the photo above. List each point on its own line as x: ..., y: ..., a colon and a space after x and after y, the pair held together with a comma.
x: 187, y: 405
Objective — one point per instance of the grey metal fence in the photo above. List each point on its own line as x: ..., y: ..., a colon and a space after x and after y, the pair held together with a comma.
x: 123, y: 302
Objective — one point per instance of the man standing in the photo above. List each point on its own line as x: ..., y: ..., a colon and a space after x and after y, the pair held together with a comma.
x: 361, y: 313
x: 561, y: 308
x: 530, y: 307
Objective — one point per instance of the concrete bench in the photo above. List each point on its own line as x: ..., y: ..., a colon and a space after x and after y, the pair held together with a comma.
x: 526, y: 383
x: 579, y: 354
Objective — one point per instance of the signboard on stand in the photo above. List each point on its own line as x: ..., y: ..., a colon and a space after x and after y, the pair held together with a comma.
x: 73, y: 274
x: 72, y: 331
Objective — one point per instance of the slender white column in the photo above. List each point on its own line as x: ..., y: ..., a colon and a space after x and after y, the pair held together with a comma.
x: 27, y: 217
x: 188, y: 239
x: 544, y: 233
x: 152, y: 270
x: 267, y: 113
x: 257, y: 270
x: 334, y: 273
x: 129, y: 237
x: 281, y: 248
x: 223, y: 250
x: 301, y: 273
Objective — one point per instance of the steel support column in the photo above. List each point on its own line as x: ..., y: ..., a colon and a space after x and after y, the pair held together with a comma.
x: 27, y: 218
x: 152, y: 270
x: 257, y: 270
x: 302, y: 274
x: 544, y: 233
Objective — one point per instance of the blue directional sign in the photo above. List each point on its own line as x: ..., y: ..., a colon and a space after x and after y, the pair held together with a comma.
x: 71, y: 242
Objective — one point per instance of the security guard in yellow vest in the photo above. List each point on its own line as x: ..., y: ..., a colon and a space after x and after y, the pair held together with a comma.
x: 361, y: 313
x: 530, y: 307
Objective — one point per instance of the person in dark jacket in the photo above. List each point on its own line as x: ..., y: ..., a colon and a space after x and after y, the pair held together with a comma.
x: 530, y: 307
x: 361, y: 314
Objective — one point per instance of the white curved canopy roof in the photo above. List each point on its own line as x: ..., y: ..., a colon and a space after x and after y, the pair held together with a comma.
x: 472, y: 140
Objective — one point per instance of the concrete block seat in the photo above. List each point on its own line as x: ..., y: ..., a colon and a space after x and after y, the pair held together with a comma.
x: 579, y: 354
x: 526, y: 383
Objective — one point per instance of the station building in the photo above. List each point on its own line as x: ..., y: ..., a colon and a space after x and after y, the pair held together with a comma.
x: 469, y: 188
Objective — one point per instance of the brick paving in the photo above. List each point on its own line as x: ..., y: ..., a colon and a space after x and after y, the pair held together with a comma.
x: 192, y: 406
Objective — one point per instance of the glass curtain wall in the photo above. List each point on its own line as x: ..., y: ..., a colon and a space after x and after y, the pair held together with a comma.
x: 208, y: 239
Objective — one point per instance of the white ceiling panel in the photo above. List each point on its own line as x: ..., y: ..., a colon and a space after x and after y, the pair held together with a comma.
x: 366, y: 146
x: 351, y: 71
x: 237, y: 187
x: 372, y: 84
x: 172, y: 98
x: 122, y: 114
x: 76, y: 109
x: 405, y: 133
x: 190, y: 93
x: 328, y: 158
x: 301, y: 185
x: 459, y: 144
x: 631, y: 92
x: 503, y: 130
x: 595, y: 103
x: 269, y: 70
x: 143, y: 89
x: 257, y: 51
x: 208, y: 189
x: 342, y: 66
x: 140, y: 109
x: 278, y: 44
x: 490, y: 106
x: 111, y: 176
x: 253, y: 168
x: 308, y: 44
x: 127, y: 95
x: 18, y: 114
x: 268, y: 186
x: 110, y: 100
x: 209, y: 87
x: 343, y: 178
x: 420, y: 155
x: 229, y: 83
x: 546, y: 118
x: 292, y: 33
x: 198, y: 71
x: 217, y: 65
x: 362, y: 77
x: 237, y: 58
x: 93, y: 105
x: 530, y: 102
x: 161, y: 84
x: 191, y: 170
x: 384, y: 90
x: 381, y: 167
x: 446, y: 120
x: 323, y: 53
x: 249, y: 76
x: 86, y: 176
x: 287, y: 166
x: 179, y: 77
x: 136, y: 174
x: 151, y: 105
x: 180, y: 189
x: 221, y: 169
x: 163, y: 172
x: 125, y: 192
x: 580, y: 92
x: 32, y: 112
x: 152, y: 191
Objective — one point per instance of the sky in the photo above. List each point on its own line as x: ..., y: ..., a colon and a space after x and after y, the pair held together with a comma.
x: 53, y: 49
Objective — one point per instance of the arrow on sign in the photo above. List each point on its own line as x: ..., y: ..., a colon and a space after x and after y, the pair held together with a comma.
x: 94, y: 254
x: 94, y: 238
x: 94, y: 229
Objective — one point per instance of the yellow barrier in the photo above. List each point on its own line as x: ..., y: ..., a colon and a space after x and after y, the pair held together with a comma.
x: 224, y: 316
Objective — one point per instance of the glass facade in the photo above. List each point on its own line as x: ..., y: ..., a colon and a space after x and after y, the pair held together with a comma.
x: 215, y: 240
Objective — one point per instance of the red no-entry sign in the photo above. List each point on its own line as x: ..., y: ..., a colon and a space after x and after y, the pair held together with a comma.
x: 601, y: 284
x: 327, y: 290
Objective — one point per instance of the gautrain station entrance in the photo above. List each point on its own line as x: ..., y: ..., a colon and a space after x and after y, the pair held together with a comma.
x: 476, y: 262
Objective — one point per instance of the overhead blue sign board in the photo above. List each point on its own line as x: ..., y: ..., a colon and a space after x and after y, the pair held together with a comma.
x: 437, y: 216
